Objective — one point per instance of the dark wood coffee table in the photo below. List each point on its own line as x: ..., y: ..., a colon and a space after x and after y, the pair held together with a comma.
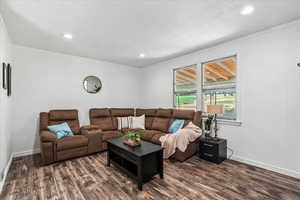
x: 140, y: 163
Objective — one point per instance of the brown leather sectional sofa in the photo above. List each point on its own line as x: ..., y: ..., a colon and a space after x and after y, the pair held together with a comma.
x: 91, y: 139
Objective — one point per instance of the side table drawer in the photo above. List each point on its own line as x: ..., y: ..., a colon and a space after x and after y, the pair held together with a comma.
x: 208, y: 148
x: 208, y: 156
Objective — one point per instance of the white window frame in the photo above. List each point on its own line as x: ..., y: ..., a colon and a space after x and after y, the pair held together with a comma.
x: 184, y: 92
x: 227, y: 121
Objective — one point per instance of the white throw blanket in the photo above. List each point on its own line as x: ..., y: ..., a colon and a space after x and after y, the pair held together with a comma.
x: 180, y: 139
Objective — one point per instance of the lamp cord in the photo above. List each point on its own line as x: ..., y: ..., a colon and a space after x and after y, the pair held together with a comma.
x: 231, y: 152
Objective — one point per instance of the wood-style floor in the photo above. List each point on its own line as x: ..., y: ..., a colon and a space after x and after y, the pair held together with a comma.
x: 89, y: 178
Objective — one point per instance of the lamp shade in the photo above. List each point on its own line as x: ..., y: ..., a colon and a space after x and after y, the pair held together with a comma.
x: 215, y: 109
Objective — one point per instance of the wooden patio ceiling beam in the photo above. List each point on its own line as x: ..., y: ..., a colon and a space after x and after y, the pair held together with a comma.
x: 226, y: 68
x: 216, y: 72
x: 185, y: 78
x: 187, y: 73
x: 208, y: 76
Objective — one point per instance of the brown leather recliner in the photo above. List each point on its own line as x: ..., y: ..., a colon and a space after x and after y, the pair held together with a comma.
x: 85, y: 140
x: 157, y: 122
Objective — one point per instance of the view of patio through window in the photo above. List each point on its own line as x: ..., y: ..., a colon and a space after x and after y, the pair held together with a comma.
x: 219, y: 85
x: 185, y: 87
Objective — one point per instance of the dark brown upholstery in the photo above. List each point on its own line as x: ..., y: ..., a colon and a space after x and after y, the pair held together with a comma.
x: 53, y: 149
x: 148, y: 134
x: 111, y: 134
x: 155, y: 138
x: 191, y: 149
x: 161, y: 124
x: 162, y: 120
x: 157, y: 122
x: 61, y: 116
x: 71, y: 142
x: 102, y: 117
x: 91, y: 139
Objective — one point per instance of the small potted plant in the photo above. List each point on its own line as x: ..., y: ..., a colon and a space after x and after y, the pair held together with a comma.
x: 133, y: 138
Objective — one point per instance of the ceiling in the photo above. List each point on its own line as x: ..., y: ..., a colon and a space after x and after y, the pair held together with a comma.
x: 119, y: 30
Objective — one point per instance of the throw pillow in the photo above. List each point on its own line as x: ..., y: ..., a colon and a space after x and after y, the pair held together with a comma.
x: 124, y: 122
x: 193, y: 127
x: 138, y: 122
x: 176, y: 125
x: 61, y: 130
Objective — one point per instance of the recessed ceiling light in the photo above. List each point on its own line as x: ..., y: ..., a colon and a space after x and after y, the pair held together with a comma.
x: 142, y: 55
x: 247, y: 10
x: 68, y: 36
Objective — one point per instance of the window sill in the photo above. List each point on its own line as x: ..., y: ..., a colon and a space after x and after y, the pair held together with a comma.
x: 229, y: 122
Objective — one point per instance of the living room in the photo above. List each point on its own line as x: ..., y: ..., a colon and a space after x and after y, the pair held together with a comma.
x: 140, y: 51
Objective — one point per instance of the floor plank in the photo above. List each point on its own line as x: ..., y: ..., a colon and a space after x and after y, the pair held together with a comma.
x: 88, y: 178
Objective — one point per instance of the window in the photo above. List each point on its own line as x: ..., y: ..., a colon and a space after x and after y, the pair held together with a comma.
x: 219, y: 85
x: 185, y: 88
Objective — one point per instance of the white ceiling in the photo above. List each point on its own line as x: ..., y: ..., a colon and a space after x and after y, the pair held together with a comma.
x: 119, y: 30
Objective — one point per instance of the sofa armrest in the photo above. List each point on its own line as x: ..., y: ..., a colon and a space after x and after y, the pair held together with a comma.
x: 90, y: 127
x: 94, y: 140
x: 48, y: 136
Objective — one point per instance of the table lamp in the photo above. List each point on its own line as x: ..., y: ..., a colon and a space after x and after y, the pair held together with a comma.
x: 215, y: 109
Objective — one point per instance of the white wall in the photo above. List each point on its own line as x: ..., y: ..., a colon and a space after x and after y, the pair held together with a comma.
x: 45, y: 80
x: 5, y: 134
x: 268, y: 95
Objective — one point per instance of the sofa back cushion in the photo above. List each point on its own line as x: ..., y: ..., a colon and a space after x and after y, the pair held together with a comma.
x: 120, y: 112
x: 102, y: 118
x: 55, y: 117
x: 186, y: 115
x: 162, y: 120
x: 149, y: 116
x: 197, y: 120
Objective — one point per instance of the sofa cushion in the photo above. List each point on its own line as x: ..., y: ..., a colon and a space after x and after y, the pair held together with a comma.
x: 198, y: 119
x: 106, y: 135
x: 61, y: 115
x: 155, y: 138
x: 164, y: 113
x: 146, y: 112
x: 138, y: 122
x: 73, y: 124
x: 183, y: 114
x: 148, y: 134
x: 104, y: 123
x: 99, y: 112
x: 124, y: 122
x: 148, y: 122
x: 160, y: 124
x: 71, y: 142
x: 122, y: 112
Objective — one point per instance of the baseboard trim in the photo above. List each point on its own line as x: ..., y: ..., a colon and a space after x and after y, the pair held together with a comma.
x: 287, y: 172
x: 26, y: 153
x: 12, y: 156
x: 6, y: 172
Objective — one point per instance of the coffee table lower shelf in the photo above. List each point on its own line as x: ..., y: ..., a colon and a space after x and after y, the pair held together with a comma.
x: 141, y: 169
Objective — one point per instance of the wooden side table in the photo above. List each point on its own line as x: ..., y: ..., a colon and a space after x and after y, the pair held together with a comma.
x: 213, y: 150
